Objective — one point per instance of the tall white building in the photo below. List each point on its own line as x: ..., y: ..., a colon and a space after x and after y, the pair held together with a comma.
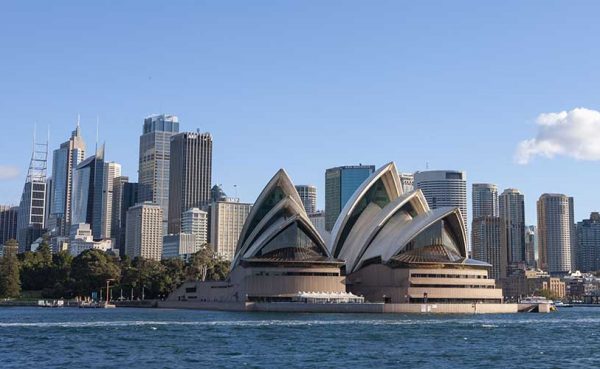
x: 227, y: 220
x: 308, y: 195
x: 512, y: 210
x: 144, y: 235
x: 195, y: 222
x: 111, y: 172
x: 555, y: 232
x: 444, y: 188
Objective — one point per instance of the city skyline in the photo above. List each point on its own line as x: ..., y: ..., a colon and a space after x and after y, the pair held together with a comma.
x: 483, y: 103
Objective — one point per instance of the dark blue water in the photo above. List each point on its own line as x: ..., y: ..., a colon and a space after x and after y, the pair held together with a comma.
x: 153, y: 338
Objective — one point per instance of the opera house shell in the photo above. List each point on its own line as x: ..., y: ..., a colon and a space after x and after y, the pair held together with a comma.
x: 279, y: 254
x: 396, y: 249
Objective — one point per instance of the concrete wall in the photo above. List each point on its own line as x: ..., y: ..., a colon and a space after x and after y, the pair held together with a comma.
x: 452, y: 308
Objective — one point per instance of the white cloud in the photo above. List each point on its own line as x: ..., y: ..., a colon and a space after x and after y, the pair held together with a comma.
x: 574, y: 133
x: 8, y: 172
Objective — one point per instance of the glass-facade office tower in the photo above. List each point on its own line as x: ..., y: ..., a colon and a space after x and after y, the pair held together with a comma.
x: 531, y: 246
x: 308, y: 195
x: 512, y: 210
x: 154, y: 161
x: 64, y: 162
x: 190, y: 175
x: 554, y: 232
x: 485, y: 200
x: 125, y: 195
x: 444, y: 188
x: 88, y: 190
x: 8, y: 223
x: 588, y: 244
x: 340, y: 185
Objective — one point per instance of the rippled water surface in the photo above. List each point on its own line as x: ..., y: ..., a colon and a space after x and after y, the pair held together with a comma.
x: 155, y: 338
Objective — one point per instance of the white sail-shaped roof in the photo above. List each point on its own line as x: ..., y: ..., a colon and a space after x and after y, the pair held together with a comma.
x: 381, y: 188
x: 278, y: 225
x: 380, y: 222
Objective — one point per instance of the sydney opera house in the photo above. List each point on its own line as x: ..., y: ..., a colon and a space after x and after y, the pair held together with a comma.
x: 386, y: 246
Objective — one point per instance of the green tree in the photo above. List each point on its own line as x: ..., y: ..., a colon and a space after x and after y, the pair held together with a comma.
x: 60, y: 285
x: 36, y: 268
x: 91, y: 269
x: 207, y: 265
x: 10, y: 283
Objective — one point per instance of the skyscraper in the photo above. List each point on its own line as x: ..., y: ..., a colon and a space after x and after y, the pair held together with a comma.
x: 489, y: 244
x: 190, y: 175
x: 512, y: 210
x: 64, y: 162
x: 531, y: 246
x: 588, y: 244
x: 554, y: 232
x: 88, y: 186
x: 111, y: 172
x: 8, y: 223
x: 144, y: 231
x: 308, y: 195
x: 485, y: 200
x: 444, y: 188
x: 32, y: 208
x: 226, y: 222
x: 154, y: 161
x: 340, y: 185
x: 125, y: 195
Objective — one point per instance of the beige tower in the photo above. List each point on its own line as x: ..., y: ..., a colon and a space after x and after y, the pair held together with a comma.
x: 144, y: 231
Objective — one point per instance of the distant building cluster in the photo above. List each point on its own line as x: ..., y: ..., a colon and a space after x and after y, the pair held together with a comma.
x: 175, y: 209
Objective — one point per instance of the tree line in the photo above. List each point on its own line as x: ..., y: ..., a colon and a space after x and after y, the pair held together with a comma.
x: 64, y: 276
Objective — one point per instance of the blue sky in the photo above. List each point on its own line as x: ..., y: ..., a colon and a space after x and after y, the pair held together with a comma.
x: 308, y: 85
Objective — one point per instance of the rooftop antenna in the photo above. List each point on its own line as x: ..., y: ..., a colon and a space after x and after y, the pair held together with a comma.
x: 427, y: 165
x: 78, y: 119
x: 97, y: 130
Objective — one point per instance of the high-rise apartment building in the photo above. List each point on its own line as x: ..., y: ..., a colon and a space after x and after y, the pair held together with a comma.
x: 489, y: 244
x: 588, y: 244
x: 8, y: 223
x: 444, y: 188
x: 340, y: 185
x: 190, y: 175
x: 144, y: 236
x: 195, y: 222
x: 512, y: 210
x: 111, y: 172
x: 226, y: 222
x: 554, y: 232
x: 32, y: 208
x: 485, y: 200
x: 154, y: 161
x: 308, y: 195
x: 88, y: 189
x: 65, y: 160
x: 181, y: 245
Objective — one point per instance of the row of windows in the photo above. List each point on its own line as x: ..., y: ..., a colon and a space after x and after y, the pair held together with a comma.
x: 448, y: 276
x: 451, y: 286
x: 314, y: 274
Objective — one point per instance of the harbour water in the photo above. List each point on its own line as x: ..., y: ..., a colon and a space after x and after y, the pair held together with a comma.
x: 156, y: 338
